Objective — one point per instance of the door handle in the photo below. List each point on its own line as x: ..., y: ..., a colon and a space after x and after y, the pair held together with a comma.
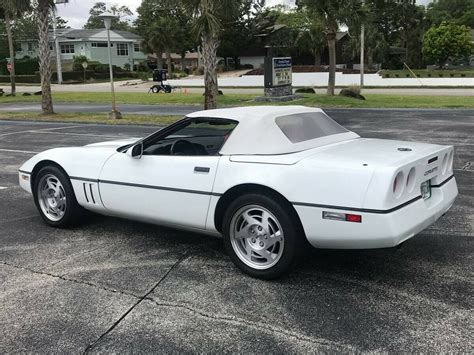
x: 201, y: 169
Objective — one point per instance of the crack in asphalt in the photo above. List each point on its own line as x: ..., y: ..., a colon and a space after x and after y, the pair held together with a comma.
x: 262, y: 326
x: 61, y: 277
x: 467, y: 166
x: 140, y: 300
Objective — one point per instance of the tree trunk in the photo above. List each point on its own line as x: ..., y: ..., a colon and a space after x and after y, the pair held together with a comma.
x: 331, y: 37
x: 183, y: 59
x: 209, y: 61
x: 12, y: 52
x: 44, y: 56
x: 317, y: 56
x: 370, y: 60
x: 169, y: 63
x: 159, y: 60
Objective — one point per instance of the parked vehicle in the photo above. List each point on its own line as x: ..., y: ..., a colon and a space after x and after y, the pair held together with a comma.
x: 268, y: 179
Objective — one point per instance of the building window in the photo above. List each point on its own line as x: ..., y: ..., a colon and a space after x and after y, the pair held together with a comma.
x: 30, y: 46
x: 67, y: 48
x: 18, y: 47
x: 136, y: 47
x: 122, y: 49
x: 99, y: 45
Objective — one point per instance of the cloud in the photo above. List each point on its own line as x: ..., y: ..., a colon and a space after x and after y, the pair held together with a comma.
x: 77, y: 11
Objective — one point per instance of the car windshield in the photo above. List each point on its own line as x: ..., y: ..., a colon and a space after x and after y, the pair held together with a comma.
x: 302, y: 127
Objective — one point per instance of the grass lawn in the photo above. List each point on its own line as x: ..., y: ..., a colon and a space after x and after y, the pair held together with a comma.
x: 88, y: 118
x: 372, y: 100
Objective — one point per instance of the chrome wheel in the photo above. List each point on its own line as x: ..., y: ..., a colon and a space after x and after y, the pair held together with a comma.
x: 51, y: 197
x: 256, y: 237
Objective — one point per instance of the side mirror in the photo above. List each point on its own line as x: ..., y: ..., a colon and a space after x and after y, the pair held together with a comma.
x: 136, y: 151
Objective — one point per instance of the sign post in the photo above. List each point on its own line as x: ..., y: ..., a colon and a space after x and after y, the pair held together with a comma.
x: 278, y: 78
x: 9, y: 66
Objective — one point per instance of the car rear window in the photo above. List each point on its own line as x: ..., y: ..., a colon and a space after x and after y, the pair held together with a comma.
x: 306, y: 126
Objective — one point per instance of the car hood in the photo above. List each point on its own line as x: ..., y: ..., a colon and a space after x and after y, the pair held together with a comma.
x: 113, y: 144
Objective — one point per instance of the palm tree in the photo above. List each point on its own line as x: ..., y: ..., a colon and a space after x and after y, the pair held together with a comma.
x: 209, y: 19
x: 332, y: 14
x: 9, y: 9
x: 43, y: 9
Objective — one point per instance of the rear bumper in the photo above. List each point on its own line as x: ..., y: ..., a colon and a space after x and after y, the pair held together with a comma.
x: 377, y: 230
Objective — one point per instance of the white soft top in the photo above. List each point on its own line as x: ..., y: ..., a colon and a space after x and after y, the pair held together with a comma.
x: 259, y: 134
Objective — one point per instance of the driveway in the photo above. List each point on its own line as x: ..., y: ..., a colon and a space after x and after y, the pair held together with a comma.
x: 113, y: 285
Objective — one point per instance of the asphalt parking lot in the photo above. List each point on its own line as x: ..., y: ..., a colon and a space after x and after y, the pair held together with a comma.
x: 120, y: 286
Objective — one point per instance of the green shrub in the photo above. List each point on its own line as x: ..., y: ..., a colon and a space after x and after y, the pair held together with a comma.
x: 352, y: 91
x: 21, y: 79
x: 305, y: 91
x: 143, y: 75
x: 78, y: 60
x: 24, y: 66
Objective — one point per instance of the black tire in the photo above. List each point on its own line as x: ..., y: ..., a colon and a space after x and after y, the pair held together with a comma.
x: 293, y: 234
x: 73, y: 211
x: 155, y: 89
x: 168, y: 89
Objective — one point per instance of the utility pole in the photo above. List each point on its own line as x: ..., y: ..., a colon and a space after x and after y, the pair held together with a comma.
x: 107, y: 18
x: 59, y: 68
x: 362, y: 45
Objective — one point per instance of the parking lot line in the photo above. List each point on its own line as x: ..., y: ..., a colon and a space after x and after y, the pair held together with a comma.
x: 78, y: 134
x: 44, y: 129
x: 18, y: 151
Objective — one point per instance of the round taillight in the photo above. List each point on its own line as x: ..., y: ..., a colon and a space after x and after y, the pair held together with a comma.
x: 411, y: 180
x: 398, y: 184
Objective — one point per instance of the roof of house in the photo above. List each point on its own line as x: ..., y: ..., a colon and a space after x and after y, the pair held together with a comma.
x: 260, y: 132
x: 96, y: 35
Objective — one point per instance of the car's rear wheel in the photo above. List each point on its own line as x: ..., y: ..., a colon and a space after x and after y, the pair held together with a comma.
x: 55, y: 199
x: 261, y: 236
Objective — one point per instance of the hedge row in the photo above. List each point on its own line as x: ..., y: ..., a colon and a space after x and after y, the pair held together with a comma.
x: 75, y: 76
x: 428, y: 74
x: 24, y: 66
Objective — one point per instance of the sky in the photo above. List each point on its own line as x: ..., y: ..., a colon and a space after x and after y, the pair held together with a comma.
x: 77, y: 11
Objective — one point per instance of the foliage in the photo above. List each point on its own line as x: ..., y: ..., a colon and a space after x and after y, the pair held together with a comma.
x: 24, y: 66
x: 352, y: 91
x: 121, y: 22
x: 460, y: 12
x: 447, y: 42
x: 240, y: 34
x: 332, y: 14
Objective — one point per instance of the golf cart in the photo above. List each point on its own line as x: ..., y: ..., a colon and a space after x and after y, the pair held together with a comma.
x: 159, y: 75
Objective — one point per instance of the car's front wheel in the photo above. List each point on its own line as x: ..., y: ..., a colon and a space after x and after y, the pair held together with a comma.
x: 261, y: 236
x: 54, y: 197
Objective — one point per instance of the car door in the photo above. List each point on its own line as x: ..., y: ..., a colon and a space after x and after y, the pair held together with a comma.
x: 162, y: 186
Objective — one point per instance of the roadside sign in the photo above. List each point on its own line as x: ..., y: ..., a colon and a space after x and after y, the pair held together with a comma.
x: 282, y: 71
x: 9, y: 66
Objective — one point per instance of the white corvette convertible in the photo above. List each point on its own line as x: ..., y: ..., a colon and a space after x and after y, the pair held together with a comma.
x: 268, y: 179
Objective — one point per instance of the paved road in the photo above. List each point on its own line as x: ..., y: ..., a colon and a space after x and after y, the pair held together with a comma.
x: 162, y: 110
x: 120, y: 286
x: 181, y: 110
x: 143, y: 87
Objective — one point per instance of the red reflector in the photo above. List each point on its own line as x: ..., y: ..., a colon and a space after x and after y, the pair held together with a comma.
x: 353, y: 218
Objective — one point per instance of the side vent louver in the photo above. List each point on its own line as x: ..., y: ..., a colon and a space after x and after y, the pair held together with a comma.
x: 88, y: 193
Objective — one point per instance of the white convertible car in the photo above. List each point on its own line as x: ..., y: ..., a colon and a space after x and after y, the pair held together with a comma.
x: 268, y: 179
